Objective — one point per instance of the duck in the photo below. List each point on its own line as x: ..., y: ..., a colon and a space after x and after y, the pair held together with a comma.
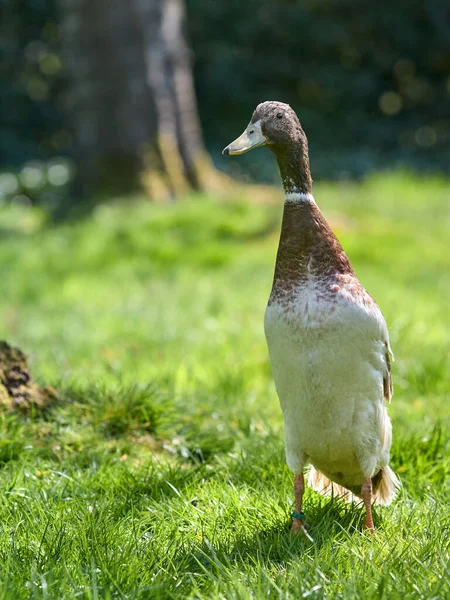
x: 327, y: 339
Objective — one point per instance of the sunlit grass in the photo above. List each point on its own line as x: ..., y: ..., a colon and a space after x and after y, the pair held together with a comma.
x: 160, y: 471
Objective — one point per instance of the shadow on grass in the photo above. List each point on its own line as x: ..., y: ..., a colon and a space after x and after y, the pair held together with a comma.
x: 330, y: 520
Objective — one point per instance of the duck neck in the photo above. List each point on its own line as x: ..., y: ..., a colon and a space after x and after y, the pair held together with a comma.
x: 293, y: 162
x: 308, y: 247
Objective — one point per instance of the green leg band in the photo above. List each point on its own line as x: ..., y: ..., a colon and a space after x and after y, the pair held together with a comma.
x: 297, y: 515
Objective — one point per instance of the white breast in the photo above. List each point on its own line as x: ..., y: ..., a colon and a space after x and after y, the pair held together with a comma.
x: 328, y: 360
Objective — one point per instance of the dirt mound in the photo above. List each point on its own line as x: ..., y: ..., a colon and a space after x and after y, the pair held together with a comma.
x: 17, y: 388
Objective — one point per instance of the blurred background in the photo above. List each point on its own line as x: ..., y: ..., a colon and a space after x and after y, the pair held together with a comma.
x: 141, y: 438
x: 100, y: 98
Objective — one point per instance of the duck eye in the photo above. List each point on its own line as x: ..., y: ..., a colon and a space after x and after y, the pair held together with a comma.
x: 252, y: 131
x: 279, y: 115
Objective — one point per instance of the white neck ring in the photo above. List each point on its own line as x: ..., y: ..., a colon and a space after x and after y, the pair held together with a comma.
x: 299, y: 197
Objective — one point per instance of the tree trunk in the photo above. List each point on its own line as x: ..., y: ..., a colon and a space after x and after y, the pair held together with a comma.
x: 131, y: 99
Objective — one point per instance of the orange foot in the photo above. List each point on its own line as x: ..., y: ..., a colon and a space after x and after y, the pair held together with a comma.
x: 299, y: 525
x: 368, y: 527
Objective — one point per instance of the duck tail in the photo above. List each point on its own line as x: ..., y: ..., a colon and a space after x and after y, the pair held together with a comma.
x: 320, y: 482
x: 385, y: 486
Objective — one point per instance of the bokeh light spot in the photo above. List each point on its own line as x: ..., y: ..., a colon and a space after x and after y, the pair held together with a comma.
x: 8, y: 183
x: 425, y: 137
x: 58, y: 173
x: 32, y: 176
x: 37, y: 88
x: 21, y: 201
x: 390, y: 103
x: 49, y: 63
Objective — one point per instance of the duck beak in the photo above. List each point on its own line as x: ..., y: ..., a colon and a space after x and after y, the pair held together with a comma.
x: 252, y: 137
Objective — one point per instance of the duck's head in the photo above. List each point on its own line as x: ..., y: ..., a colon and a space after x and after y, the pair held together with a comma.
x: 273, y: 124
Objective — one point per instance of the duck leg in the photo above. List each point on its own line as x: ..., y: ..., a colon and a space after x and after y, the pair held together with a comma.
x: 366, y: 493
x: 298, y: 524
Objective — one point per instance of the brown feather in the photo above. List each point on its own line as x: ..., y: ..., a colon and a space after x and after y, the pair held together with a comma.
x: 388, y: 387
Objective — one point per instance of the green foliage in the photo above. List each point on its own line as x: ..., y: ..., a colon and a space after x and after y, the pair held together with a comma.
x: 370, y: 81
x: 369, y: 92
x: 31, y: 121
x: 160, y: 471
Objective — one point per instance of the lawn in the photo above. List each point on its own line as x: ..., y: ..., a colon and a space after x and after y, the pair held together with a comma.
x: 159, y: 472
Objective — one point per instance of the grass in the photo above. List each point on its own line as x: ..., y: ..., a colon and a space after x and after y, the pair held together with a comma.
x: 160, y: 471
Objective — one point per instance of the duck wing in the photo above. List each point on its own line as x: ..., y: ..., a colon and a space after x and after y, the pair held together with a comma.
x: 388, y: 387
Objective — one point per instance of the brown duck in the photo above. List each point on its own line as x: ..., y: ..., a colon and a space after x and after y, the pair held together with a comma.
x: 328, y: 341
